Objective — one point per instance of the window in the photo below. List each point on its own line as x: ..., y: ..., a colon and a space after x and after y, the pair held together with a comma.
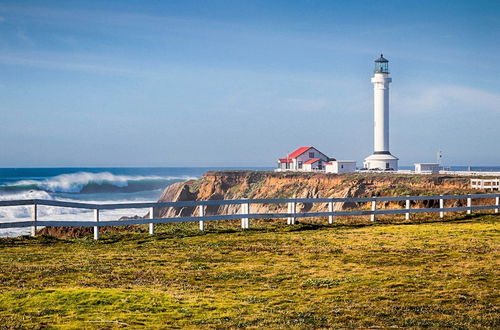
x: 311, y: 155
x: 300, y: 164
x: 341, y: 166
x: 386, y: 165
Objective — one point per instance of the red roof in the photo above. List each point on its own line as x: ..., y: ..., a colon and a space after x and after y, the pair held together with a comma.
x: 298, y: 152
x: 284, y: 160
x: 311, y: 161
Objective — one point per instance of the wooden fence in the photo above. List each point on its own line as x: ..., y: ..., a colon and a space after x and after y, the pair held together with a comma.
x: 491, y: 184
x: 245, y: 210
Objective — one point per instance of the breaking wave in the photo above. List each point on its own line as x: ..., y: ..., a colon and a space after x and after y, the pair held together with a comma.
x: 86, y: 183
x: 23, y: 213
x: 13, y: 212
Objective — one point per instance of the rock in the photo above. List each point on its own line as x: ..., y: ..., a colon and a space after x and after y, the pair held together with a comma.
x: 259, y: 184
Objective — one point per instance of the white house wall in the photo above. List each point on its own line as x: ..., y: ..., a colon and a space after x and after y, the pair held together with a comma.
x: 341, y: 167
x: 433, y: 168
x: 305, y: 157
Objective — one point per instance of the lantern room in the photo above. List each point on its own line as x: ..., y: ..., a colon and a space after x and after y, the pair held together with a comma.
x: 381, y: 64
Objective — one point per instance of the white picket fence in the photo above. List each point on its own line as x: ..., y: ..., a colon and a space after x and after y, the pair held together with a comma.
x: 485, y: 184
x: 245, y: 210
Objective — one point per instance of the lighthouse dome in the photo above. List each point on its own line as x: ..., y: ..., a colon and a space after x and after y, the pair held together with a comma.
x: 381, y: 59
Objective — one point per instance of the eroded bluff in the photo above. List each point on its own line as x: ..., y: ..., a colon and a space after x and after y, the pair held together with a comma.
x: 256, y: 184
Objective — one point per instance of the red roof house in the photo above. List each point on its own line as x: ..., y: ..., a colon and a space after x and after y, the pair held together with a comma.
x: 303, y: 159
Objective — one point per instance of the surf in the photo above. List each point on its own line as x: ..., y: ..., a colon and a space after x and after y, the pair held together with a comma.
x: 91, y: 183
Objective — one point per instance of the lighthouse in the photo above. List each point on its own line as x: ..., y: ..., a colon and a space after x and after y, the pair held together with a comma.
x: 381, y: 158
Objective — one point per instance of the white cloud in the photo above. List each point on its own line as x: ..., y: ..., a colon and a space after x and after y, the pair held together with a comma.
x: 24, y: 37
x: 82, y: 66
x: 443, y: 97
x: 302, y: 104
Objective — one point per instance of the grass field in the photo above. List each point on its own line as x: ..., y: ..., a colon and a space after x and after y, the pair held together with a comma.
x: 438, y: 274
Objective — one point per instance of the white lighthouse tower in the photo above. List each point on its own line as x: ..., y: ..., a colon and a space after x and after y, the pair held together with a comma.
x: 381, y: 157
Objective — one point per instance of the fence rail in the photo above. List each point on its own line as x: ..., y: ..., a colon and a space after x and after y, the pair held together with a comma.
x: 485, y: 184
x: 245, y: 210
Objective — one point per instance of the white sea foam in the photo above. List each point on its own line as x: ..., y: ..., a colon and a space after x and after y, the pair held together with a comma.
x: 32, y: 194
x: 23, y: 213
x: 68, y: 183
x: 75, y: 182
x: 13, y: 212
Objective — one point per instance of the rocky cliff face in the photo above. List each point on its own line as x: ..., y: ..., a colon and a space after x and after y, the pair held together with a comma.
x: 253, y: 184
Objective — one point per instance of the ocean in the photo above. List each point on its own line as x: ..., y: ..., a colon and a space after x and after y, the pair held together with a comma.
x: 92, y: 185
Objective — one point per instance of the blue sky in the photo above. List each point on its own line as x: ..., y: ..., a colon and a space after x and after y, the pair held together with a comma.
x: 240, y: 83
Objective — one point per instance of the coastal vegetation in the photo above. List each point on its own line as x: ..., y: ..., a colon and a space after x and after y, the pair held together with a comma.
x: 440, y: 274
x: 247, y: 184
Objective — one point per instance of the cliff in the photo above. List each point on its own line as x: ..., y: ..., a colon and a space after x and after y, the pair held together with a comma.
x: 259, y: 184
x: 255, y: 184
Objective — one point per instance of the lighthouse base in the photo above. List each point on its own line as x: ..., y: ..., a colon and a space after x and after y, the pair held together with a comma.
x: 381, y: 161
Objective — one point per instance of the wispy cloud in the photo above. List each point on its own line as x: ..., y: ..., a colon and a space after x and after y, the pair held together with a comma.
x: 65, y: 65
x: 307, y: 104
x: 444, y: 97
x: 91, y: 18
x: 160, y: 28
x: 25, y: 38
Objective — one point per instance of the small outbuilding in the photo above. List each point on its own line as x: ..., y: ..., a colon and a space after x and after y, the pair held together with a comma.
x: 427, y: 168
x: 341, y: 166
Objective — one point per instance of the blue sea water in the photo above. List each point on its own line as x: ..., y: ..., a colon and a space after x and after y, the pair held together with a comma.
x: 83, y: 184
x: 93, y: 185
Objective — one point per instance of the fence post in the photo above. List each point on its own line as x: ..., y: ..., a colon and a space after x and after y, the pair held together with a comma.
x: 374, y: 207
x: 497, y: 203
x: 441, y: 205
x: 202, y: 214
x: 469, y: 204
x: 407, y: 214
x: 331, y: 207
x: 34, y: 217
x: 96, y: 228
x: 245, y: 209
x: 291, y: 209
x: 151, y: 225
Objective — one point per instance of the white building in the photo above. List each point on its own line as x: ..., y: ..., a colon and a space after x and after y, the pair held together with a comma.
x: 304, y: 159
x: 341, y: 166
x: 427, y: 168
x: 314, y: 164
x: 381, y: 157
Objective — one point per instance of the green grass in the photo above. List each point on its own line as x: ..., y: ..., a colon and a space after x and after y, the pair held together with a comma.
x: 441, y: 274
